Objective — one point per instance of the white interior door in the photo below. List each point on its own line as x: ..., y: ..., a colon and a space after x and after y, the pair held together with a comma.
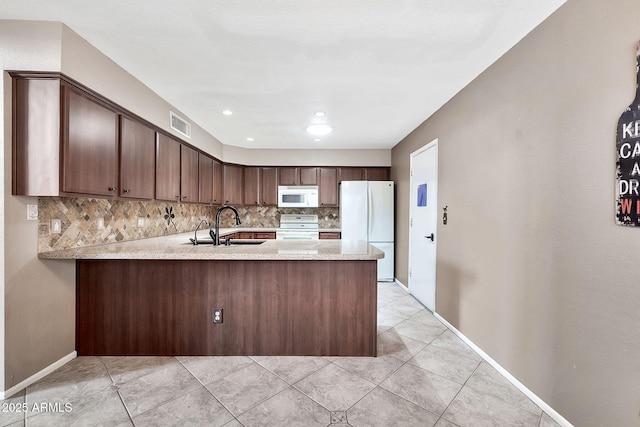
x: 423, y: 223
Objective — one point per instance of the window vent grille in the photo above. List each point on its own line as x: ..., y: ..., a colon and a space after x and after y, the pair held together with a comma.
x: 180, y: 125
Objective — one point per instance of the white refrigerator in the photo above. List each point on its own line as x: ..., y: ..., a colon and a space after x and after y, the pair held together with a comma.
x: 366, y: 213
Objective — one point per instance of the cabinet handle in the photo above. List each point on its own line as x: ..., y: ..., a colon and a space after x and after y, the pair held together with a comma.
x: 184, y: 197
x: 113, y: 188
x: 127, y: 191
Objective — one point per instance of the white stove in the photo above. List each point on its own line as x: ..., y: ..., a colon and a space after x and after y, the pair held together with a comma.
x: 298, y: 227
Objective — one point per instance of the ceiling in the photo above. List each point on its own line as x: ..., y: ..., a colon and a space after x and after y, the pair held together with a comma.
x: 377, y: 68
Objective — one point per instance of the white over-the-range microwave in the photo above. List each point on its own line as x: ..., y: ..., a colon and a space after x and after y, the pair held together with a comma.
x: 298, y: 196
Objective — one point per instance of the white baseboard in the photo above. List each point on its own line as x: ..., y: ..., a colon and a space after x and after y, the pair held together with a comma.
x: 531, y: 395
x: 405, y: 287
x: 38, y: 375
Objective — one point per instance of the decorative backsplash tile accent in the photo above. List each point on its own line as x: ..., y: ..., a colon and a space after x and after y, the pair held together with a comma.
x: 269, y: 216
x: 80, y: 219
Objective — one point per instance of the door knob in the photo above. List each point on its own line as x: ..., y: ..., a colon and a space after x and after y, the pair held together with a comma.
x: 430, y: 236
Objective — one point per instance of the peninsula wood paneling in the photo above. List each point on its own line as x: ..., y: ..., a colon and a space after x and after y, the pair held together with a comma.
x: 291, y: 308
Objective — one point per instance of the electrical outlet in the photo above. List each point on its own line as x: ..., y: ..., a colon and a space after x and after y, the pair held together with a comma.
x: 140, y: 222
x: 32, y: 212
x: 217, y: 315
x: 100, y: 223
x: 56, y: 226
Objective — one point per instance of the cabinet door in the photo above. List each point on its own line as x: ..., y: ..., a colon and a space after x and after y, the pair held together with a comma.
x: 252, y: 186
x: 308, y: 176
x: 377, y: 174
x: 205, y: 178
x: 217, y: 182
x: 233, y: 184
x: 287, y: 176
x: 167, y: 168
x: 188, y: 174
x: 351, y: 174
x: 90, y: 146
x: 269, y: 187
x: 328, y: 187
x: 137, y: 159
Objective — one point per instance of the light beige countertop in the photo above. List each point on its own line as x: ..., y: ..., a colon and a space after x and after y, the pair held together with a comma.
x: 178, y: 247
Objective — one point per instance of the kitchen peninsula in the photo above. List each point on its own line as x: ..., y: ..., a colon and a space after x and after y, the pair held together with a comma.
x: 157, y: 297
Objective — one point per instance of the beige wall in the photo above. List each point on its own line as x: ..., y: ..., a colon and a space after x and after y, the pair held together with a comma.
x: 531, y: 266
x: 38, y: 309
x: 307, y: 157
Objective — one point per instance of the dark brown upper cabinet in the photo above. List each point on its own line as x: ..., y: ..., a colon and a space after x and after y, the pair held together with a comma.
x: 205, y: 178
x: 288, y: 176
x: 376, y: 174
x: 167, y: 169
x: 36, y: 137
x: 89, y: 145
x: 269, y: 186
x: 260, y: 186
x: 69, y: 140
x: 137, y: 159
x: 252, y: 186
x: 351, y: 174
x: 217, y: 182
x: 298, y: 176
x: 308, y: 176
x: 188, y: 174
x: 328, y: 187
x: 233, y: 184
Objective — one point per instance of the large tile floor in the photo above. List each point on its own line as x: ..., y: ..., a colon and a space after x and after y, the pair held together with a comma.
x: 423, y: 376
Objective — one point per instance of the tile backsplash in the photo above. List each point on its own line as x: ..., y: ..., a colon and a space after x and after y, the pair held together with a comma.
x: 80, y: 218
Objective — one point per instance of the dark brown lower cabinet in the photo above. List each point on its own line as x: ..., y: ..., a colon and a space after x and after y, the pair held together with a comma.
x: 279, y: 307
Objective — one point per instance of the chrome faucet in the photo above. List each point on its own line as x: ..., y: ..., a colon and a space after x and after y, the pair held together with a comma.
x: 216, y: 235
x: 195, y: 234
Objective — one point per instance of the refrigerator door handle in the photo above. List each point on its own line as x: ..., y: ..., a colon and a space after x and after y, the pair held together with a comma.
x: 371, y: 216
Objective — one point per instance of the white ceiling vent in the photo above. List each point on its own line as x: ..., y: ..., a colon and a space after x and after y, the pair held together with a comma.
x: 180, y: 125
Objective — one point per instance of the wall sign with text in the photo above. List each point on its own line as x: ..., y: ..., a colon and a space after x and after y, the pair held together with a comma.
x: 628, y: 160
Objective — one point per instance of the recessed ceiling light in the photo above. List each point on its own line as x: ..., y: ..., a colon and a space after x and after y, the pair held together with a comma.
x: 319, y: 129
x: 249, y: 139
x: 319, y: 114
x: 227, y: 112
x: 317, y: 140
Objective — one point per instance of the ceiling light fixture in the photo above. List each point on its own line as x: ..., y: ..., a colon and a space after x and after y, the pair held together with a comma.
x: 317, y: 140
x: 249, y: 139
x: 319, y: 129
x: 227, y: 112
x: 319, y: 114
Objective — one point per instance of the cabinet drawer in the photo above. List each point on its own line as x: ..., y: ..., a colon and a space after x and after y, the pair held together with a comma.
x: 329, y: 235
x: 265, y: 235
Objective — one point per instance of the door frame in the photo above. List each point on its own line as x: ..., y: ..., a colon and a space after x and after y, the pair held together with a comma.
x: 433, y: 143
